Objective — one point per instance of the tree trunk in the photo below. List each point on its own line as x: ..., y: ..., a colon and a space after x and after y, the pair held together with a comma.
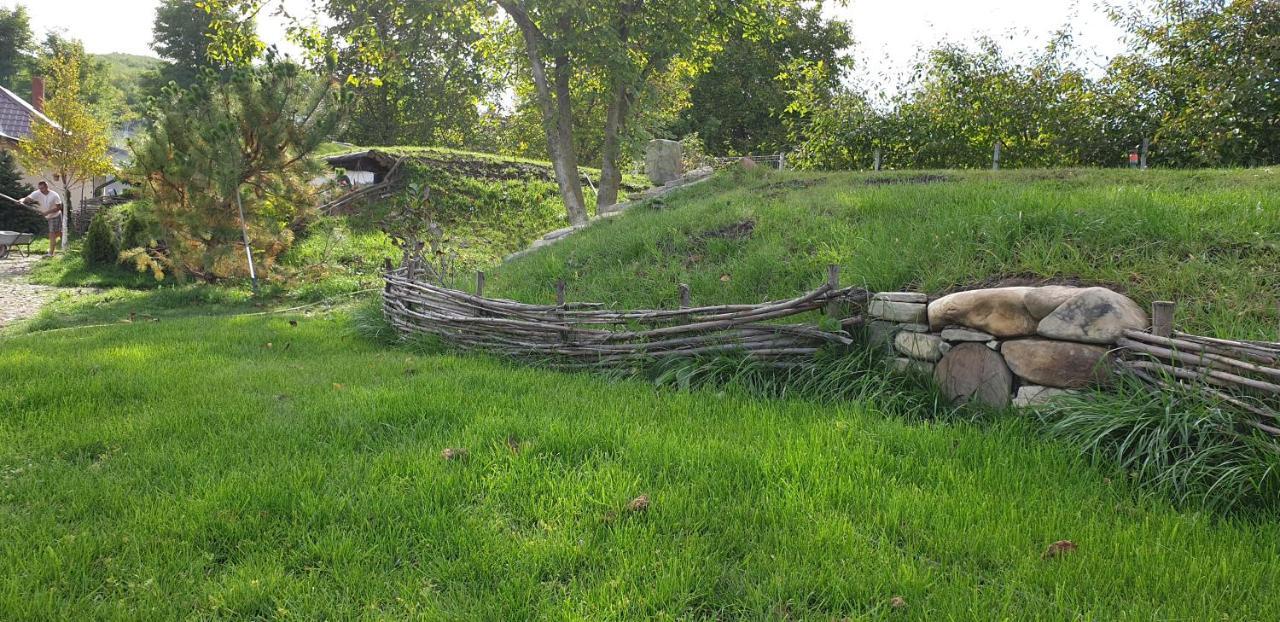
x: 66, y: 213
x: 615, y: 123
x: 557, y: 111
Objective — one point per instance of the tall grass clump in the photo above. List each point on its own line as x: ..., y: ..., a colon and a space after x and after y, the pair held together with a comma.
x: 1175, y: 442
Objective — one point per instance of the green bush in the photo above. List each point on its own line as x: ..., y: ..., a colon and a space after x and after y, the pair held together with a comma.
x: 100, y: 247
x: 136, y: 234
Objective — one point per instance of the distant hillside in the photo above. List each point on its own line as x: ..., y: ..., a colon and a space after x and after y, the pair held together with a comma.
x: 127, y: 72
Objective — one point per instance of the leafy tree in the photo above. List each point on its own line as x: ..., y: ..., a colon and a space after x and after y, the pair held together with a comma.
x: 228, y: 162
x: 622, y: 44
x: 94, y: 85
x: 738, y: 105
x: 416, y: 69
x: 180, y: 37
x: 15, y: 44
x: 1212, y: 72
x: 76, y: 149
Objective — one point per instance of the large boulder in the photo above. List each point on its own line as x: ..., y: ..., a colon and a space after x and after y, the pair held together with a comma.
x: 974, y: 372
x: 1041, y: 301
x: 1001, y: 312
x: 663, y: 161
x: 1058, y: 364
x: 1093, y: 315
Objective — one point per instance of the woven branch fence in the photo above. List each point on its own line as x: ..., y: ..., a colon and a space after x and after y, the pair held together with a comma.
x: 1243, y: 374
x: 589, y: 335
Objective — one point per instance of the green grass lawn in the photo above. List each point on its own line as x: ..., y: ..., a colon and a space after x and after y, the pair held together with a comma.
x: 246, y: 468
x: 1207, y: 239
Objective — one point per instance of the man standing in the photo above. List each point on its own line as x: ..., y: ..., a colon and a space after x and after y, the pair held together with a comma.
x: 49, y: 204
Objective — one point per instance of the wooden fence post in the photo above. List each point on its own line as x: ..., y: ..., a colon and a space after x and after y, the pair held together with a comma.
x: 1162, y: 318
x: 685, y: 296
x: 876, y: 166
x: 995, y: 157
x: 479, y: 283
x: 564, y: 334
x: 833, y: 281
x: 1142, y: 160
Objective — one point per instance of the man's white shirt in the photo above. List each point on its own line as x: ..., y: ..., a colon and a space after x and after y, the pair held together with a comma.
x: 45, y: 201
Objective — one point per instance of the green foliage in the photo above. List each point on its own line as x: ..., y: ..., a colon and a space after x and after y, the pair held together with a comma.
x: 737, y: 104
x: 100, y: 246
x: 305, y: 480
x: 135, y: 232
x: 15, y: 45
x: 95, y: 86
x: 415, y: 70
x: 15, y: 217
x: 1177, y: 443
x: 220, y: 144
x: 1199, y: 81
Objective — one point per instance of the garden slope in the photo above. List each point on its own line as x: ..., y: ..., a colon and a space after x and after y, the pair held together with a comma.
x: 1207, y: 239
x: 249, y: 468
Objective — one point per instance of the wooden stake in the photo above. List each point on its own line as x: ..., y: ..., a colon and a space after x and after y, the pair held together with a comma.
x: 995, y: 157
x: 833, y: 281
x: 479, y: 283
x: 1142, y: 160
x: 686, y: 299
x: 560, y: 293
x: 877, y: 163
x: 1162, y: 318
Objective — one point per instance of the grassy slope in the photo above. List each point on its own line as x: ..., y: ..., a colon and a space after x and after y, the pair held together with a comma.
x: 241, y: 467
x: 1208, y: 239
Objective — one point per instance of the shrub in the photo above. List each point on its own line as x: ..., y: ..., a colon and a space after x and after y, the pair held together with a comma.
x: 136, y: 234
x: 100, y: 248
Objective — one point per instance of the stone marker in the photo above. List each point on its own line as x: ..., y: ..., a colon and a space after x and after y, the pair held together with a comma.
x: 1036, y: 395
x: 921, y: 347
x: 663, y: 161
x: 974, y: 372
x: 903, y: 312
x: 1059, y: 364
x: 1000, y: 311
x: 1094, y: 315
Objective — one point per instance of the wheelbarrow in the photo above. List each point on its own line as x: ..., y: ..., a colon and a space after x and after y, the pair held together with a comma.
x: 10, y: 240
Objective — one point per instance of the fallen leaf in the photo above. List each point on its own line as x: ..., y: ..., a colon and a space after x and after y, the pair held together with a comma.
x: 1059, y: 548
x: 453, y: 453
x: 639, y: 504
x: 339, y: 386
x: 724, y: 278
x: 897, y: 602
x: 268, y: 346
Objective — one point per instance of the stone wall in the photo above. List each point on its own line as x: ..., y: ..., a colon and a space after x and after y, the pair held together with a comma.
x: 1010, y: 345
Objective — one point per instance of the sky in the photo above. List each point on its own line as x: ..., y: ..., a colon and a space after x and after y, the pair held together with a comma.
x: 890, y: 33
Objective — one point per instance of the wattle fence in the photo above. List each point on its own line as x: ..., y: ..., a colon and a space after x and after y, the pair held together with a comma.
x: 590, y: 335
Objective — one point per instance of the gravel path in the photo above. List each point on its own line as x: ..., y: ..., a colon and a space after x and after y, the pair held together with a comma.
x: 19, y: 299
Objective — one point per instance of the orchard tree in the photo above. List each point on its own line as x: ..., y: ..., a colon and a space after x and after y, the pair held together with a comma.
x: 75, y: 149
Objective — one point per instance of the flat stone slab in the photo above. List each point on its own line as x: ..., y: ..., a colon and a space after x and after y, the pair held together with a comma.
x: 901, y: 312
x: 915, y: 297
x: 965, y: 334
x: 1001, y: 312
x: 1032, y: 395
x: 902, y: 365
x: 919, y: 346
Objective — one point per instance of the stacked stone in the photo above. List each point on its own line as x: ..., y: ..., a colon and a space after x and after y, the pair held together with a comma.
x: 1011, y: 345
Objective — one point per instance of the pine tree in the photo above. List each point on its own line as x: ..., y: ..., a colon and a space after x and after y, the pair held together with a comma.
x: 14, y: 217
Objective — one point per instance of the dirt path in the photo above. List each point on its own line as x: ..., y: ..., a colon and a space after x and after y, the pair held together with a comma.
x: 19, y: 299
